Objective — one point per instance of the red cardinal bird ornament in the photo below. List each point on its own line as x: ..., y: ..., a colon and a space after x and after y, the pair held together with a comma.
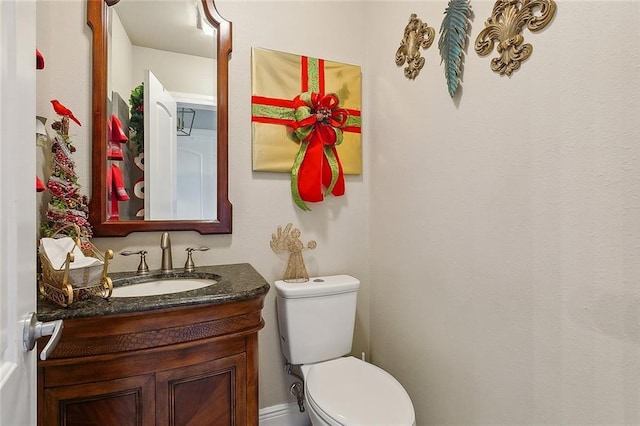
x: 39, y: 60
x: 63, y: 110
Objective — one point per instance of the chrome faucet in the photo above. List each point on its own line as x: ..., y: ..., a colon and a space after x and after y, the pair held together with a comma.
x: 165, y: 245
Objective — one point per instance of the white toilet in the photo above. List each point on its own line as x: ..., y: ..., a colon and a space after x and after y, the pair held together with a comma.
x: 316, y: 320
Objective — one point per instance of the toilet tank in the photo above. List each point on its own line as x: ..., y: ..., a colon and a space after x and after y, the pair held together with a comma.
x: 316, y: 318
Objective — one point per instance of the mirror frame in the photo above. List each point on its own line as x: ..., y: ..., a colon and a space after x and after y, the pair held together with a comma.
x: 97, y: 20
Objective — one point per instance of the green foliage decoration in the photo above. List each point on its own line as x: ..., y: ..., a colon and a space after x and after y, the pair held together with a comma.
x: 453, y: 40
x: 136, y: 120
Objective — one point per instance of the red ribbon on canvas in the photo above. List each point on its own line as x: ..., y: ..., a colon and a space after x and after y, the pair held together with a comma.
x: 317, y: 122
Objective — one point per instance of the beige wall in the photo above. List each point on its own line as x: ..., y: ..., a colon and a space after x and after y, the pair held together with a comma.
x: 170, y: 68
x: 505, y: 224
x: 497, y: 235
x: 176, y: 71
x: 120, y: 59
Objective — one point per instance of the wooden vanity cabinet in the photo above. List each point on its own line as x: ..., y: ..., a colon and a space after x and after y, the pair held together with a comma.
x: 194, y: 365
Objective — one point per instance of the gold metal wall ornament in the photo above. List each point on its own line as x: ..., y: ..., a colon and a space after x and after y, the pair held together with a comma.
x: 416, y: 35
x: 505, y: 28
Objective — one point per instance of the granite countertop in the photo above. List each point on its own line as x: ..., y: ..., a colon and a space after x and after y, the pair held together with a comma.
x: 234, y: 283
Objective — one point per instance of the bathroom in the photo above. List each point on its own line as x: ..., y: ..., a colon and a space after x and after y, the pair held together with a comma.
x: 496, y: 234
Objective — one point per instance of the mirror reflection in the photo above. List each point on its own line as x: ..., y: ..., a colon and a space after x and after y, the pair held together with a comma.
x: 161, y: 112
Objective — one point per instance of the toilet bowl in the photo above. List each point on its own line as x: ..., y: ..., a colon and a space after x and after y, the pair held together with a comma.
x: 316, y: 322
x: 348, y: 391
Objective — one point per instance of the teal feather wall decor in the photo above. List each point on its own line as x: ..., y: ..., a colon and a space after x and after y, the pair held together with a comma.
x: 453, y: 40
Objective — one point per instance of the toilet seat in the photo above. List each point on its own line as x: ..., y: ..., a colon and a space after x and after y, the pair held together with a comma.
x: 348, y: 391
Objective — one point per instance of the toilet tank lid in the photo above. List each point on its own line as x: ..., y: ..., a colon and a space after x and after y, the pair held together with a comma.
x: 317, y: 286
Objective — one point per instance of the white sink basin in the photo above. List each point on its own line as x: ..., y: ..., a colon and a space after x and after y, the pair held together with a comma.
x: 158, y: 287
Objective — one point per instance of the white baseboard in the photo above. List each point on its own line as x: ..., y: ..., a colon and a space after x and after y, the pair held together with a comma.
x: 283, y: 415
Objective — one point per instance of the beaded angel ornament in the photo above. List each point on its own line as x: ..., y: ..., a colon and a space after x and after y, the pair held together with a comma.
x: 287, y: 241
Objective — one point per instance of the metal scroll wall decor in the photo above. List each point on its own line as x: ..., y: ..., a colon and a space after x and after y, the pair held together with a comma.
x: 453, y: 40
x: 504, y: 27
x: 416, y: 35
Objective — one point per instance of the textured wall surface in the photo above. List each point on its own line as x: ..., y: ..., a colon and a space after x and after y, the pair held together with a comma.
x: 505, y: 223
x: 497, y: 234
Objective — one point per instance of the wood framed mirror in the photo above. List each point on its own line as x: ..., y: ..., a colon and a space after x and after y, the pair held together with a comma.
x: 104, y: 209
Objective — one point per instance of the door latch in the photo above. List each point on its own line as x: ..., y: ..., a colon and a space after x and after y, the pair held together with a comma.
x: 34, y: 329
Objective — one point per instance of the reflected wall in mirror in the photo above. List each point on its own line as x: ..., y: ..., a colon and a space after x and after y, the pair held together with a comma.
x: 160, y: 121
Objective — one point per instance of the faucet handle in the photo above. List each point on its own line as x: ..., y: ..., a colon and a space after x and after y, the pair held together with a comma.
x: 190, y: 249
x: 143, y: 269
x: 189, y: 266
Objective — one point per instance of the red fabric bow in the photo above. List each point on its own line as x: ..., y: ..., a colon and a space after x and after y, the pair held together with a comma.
x: 317, y: 124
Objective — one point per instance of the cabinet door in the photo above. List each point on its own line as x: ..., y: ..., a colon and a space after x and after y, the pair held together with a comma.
x: 122, y: 402
x: 212, y: 393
